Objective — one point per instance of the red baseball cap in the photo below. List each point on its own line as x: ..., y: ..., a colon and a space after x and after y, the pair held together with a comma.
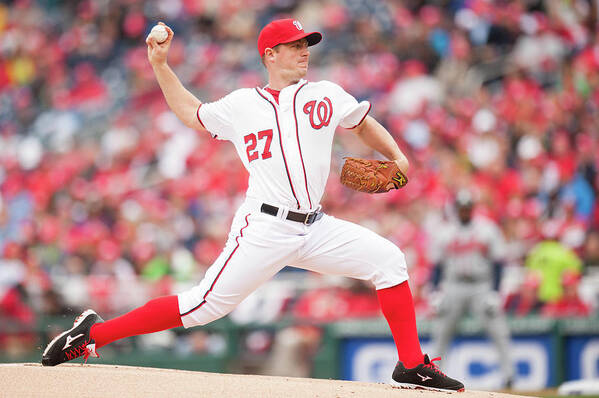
x: 284, y: 31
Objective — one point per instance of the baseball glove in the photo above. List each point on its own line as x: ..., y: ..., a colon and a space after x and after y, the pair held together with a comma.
x: 372, y: 176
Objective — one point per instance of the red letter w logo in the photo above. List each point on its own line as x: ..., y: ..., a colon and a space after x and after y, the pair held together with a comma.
x: 323, y: 111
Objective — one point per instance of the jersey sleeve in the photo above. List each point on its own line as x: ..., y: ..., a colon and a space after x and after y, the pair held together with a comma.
x: 351, y: 111
x: 217, y: 117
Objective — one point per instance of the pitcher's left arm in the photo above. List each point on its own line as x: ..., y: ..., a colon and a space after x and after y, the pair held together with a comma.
x: 375, y: 136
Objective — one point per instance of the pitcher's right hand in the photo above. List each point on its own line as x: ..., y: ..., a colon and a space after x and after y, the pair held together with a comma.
x: 157, y: 53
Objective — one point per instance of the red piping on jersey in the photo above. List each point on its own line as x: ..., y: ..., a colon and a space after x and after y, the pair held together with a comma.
x: 281, y: 144
x: 364, y: 117
x: 298, y: 143
x: 221, y: 270
x: 200, y: 120
x: 198, y: 116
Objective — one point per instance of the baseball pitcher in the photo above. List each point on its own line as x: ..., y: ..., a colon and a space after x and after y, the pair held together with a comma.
x: 283, y: 133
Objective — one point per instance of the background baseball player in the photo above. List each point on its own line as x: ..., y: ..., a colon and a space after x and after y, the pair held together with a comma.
x: 283, y: 134
x: 468, y: 253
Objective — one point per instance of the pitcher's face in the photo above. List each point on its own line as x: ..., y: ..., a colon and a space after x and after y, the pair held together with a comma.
x: 292, y: 58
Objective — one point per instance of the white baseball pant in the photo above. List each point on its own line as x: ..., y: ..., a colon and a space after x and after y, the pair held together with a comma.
x: 260, y: 245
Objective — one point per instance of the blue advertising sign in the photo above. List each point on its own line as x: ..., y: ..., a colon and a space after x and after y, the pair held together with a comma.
x: 472, y: 360
x: 582, y: 357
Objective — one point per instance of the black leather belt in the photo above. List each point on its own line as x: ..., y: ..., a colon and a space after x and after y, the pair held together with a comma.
x: 305, y: 218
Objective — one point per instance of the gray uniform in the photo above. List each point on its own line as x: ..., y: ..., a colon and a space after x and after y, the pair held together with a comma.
x: 466, y: 253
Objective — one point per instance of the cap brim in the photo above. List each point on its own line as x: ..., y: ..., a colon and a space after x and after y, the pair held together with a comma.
x: 312, y: 37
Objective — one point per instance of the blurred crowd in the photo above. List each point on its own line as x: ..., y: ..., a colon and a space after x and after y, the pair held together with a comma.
x: 108, y: 200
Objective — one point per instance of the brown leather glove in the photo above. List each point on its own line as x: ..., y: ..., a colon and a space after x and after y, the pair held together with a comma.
x: 372, y: 176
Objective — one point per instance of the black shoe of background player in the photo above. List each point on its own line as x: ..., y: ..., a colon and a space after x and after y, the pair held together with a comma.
x: 74, y: 343
x: 509, y: 383
x: 426, y: 376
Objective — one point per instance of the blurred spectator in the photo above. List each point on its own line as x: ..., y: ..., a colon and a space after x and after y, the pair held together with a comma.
x: 292, y: 351
x: 17, y: 318
x: 589, y: 284
x: 525, y: 301
x: 569, y: 304
x: 590, y: 253
x: 551, y: 259
x: 53, y: 304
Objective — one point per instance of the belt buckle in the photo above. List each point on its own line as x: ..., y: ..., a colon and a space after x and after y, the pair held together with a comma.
x: 307, y: 220
x: 314, y: 213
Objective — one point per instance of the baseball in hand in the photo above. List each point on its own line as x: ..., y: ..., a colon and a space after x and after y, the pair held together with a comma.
x: 159, y: 33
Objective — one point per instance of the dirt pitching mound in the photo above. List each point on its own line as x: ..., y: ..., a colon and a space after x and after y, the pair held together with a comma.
x: 29, y: 380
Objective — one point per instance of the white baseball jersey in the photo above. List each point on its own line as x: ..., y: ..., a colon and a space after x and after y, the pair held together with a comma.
x: 286, y: 148
x: 294, y: 136
x: 468, y: 251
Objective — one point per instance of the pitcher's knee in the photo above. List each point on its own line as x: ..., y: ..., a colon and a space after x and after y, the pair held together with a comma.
x: 391, y: 268
x: 198, y: 310
x: 205, y: 313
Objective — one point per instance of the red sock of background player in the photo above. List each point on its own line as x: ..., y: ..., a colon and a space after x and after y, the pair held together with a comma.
x: 398, y: 308
x: 156, y: 315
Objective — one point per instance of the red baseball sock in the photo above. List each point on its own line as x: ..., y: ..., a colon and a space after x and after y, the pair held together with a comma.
x: 159, y: 314
x: 398, y: 308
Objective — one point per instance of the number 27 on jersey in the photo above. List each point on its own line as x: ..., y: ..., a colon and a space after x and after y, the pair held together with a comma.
x: 252, y: 141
